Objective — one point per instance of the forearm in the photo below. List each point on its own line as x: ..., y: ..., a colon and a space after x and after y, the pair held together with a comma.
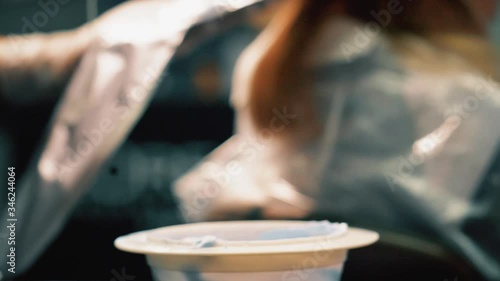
x: 36, y: 67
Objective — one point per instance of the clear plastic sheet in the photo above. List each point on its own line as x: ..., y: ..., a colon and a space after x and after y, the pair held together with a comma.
x: 111, y: 88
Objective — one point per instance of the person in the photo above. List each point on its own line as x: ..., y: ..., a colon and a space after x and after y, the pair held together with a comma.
x: 381, y: 113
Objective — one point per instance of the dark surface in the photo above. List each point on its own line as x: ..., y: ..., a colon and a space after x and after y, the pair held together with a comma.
x: 84, y: 251
x: 384, y: 261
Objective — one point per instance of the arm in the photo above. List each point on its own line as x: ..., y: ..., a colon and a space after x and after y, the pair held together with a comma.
x: 36, y: 67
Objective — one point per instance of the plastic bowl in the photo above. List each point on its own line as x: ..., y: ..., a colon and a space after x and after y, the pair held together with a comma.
x: 246, y: 250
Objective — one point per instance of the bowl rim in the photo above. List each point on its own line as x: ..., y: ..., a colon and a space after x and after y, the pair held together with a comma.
x: 141, y: 242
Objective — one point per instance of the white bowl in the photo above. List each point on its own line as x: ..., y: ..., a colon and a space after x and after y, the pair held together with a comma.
x: 239, y: 253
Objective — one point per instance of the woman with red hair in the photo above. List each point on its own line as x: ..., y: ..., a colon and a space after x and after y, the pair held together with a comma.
x: 379, y: 113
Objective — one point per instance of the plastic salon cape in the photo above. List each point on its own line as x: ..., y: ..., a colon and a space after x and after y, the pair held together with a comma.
x: 109, y: 91
x: 399, y: 150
